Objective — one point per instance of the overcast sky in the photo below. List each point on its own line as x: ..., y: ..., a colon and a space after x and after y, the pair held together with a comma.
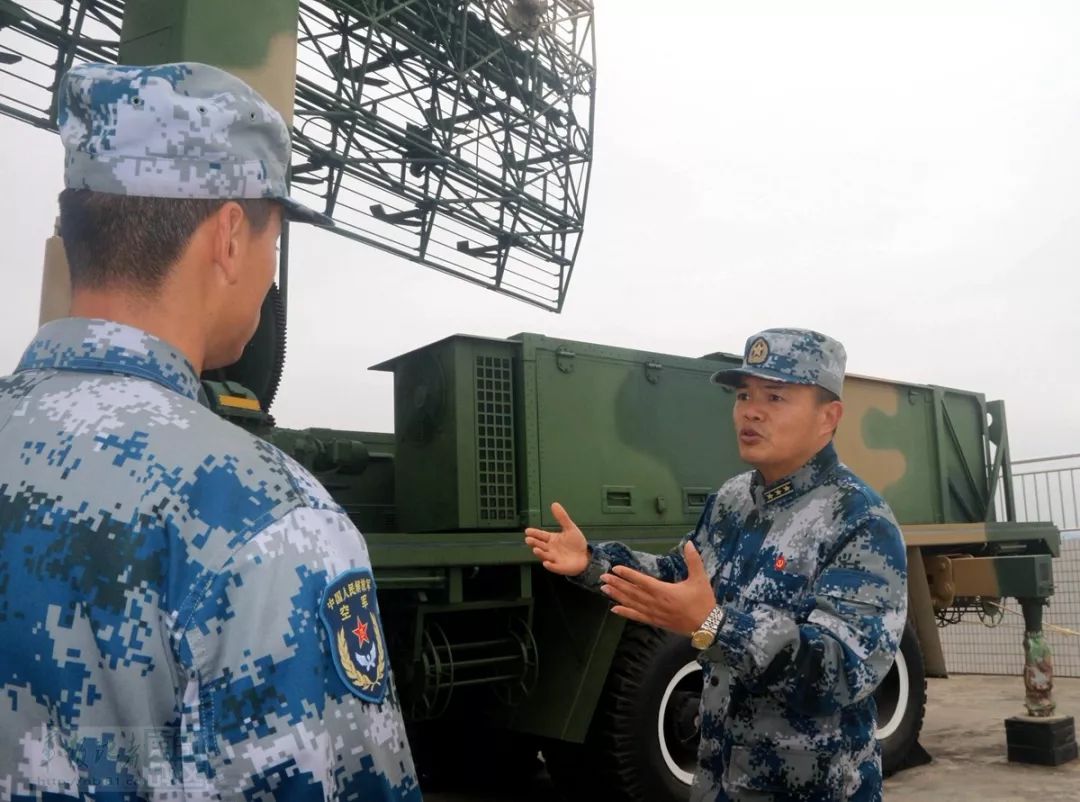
x: 906, y: 179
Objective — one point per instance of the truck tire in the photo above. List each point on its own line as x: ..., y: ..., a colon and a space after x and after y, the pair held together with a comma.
x: 445, y: 760
x: 642, y: 745
x: 901, y: 703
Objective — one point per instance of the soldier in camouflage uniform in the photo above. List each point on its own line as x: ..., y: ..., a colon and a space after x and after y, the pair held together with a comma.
x: 185, y: 612
x: 793, y: 586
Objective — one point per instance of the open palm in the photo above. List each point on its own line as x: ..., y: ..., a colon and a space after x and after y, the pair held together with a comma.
x: 565, y: 552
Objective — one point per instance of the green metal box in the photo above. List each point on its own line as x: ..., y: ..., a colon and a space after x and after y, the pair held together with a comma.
x: 490, y: 432
x: 623, y: 438
x: 454, y: 421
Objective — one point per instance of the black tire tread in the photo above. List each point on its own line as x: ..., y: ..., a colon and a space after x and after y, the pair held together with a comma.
x: 607, y: 767
x: 895, y: 759
x: 628, y: 672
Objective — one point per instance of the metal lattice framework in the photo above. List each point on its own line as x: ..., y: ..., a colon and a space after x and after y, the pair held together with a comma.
x: 456, y: 133
x: 40, y: 41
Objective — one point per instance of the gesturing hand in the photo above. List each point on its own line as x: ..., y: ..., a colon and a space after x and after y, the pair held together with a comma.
x: 677, y: 606
x: 565, y: 552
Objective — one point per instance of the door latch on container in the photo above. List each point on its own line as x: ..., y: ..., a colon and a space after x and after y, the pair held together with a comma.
x: 564, y: 360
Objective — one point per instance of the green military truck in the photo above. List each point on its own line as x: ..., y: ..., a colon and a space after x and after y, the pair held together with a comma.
x: 495, y: 658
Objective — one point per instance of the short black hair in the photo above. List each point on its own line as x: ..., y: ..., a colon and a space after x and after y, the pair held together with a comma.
x: 130, y: 242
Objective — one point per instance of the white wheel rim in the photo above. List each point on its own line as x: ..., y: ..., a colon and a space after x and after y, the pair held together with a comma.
x: 680, y: 774
x: 902, y: 695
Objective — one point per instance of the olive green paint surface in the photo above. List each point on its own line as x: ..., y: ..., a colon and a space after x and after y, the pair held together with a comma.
x: 254, y: 39
x: 156, y: 31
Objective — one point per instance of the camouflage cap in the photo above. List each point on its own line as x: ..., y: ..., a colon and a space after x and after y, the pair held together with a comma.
x: 184, y: 130
x: 793, y: 356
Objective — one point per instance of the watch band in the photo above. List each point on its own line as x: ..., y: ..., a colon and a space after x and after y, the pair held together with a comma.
x: 705, y: 635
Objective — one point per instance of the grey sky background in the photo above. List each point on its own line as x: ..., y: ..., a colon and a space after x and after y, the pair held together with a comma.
x: 904, y: 176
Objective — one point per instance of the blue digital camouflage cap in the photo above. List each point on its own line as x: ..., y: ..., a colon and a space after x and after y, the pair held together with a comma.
x: 794, y: 356
x: 183, y: 130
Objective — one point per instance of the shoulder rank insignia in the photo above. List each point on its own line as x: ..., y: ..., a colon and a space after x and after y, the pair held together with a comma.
x: 350, y: 612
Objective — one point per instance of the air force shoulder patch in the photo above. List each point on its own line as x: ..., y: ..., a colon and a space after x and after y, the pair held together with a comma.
x: 350, y: 612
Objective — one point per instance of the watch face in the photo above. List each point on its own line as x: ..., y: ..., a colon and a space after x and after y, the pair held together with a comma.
x: 702, y: 639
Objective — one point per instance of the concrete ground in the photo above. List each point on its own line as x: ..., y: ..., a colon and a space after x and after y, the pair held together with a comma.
x: 965, y: 734
x: 964, y: 731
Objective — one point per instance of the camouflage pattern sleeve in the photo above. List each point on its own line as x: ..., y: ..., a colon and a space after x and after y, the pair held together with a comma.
x: 267, y: 712
x: 670, y: 567
x: 840, y: 641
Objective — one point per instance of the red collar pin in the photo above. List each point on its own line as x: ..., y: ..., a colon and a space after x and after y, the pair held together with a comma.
x: 781, y: 563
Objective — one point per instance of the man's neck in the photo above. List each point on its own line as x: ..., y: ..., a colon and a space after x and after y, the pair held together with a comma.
x: 166, y: 321
x: 774, y: 472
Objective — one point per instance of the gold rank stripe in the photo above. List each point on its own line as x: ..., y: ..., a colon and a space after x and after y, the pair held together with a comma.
x: 239, y: 401
x: 779, y: 492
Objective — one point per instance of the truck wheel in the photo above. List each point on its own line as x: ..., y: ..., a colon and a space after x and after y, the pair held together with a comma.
x: 642, y: 745
x: 445, y: 760
x: 901, y: 703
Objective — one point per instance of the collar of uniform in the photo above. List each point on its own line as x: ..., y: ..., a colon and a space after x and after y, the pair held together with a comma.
x: 808, y: 476
x: 103, y: 346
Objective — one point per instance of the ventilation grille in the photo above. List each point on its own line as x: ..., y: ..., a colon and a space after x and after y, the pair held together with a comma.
x: 495, y: 440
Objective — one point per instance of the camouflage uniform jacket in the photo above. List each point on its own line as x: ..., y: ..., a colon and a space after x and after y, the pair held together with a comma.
x: 161, y: 578
x: 812, y: 573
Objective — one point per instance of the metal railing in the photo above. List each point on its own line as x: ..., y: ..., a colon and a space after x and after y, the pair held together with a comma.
x: 1046, y: 489
x: 973, y: 648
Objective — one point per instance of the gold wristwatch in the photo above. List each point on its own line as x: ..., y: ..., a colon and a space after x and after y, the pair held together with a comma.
x: 705, y: 635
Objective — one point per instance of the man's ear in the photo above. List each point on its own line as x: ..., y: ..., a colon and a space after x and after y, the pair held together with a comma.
x: 833, y: 412
x: 228, y: 224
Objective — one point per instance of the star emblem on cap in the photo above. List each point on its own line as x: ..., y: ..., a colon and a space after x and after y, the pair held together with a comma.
x: 758, y: 353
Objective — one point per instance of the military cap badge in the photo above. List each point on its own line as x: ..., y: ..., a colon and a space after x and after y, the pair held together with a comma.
x: 350, y: 612
x: 758, y: 353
